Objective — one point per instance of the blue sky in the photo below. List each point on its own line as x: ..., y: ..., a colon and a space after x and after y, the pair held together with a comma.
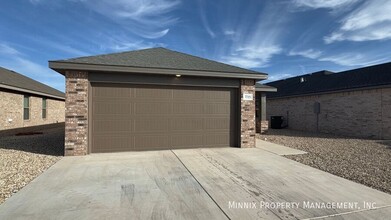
x: 280, y: 37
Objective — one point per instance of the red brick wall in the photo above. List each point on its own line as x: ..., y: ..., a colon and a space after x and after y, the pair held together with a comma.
x: 247, y: 121
x: 76, y: 113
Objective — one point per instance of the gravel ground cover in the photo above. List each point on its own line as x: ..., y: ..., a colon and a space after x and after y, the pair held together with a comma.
x: 23, y: 158
x: 364, y: 161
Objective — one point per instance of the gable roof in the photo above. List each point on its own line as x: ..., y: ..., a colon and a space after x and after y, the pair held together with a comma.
x: 153, y: 58
x: 326, y: 81
x: 15, y: 81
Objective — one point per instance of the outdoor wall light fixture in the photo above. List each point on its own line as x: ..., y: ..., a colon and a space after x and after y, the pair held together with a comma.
x: 177, y: 75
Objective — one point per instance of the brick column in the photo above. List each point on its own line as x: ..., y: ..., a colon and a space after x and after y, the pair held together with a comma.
x: 262, y: 126
x: 76, y: 113
x: 247, y: 122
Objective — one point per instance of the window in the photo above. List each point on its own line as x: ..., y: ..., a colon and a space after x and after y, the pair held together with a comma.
x: 26, y: 107
x: 43, y: 107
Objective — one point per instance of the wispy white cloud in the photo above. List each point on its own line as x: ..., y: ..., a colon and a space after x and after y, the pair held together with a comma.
x: 275, y: 77
x: 253, y: 55
x: 8, y: 50
x: 370, y: 21
x: 353, y: 59
x: 329, y: 4
x: 255, y: 46
x: 138, y: 45
x: 35, y: 1
x: 310, y: 53
x: 13, y: 59
x: 146, y: 18
x: 229, y: 32
x: 204, y: 19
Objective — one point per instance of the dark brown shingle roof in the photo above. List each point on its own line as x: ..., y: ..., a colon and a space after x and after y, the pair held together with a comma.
x: 13, y: 80
x: 160, y: 58
x: 325, y: 81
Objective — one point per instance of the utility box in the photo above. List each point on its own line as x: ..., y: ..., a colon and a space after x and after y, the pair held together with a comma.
x: 317, y: 108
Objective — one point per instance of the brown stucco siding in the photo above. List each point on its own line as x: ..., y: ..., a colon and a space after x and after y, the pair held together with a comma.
x: 247, y: 111
x: 76, y: 113
x: 362, y: 113
x: 11, y: 111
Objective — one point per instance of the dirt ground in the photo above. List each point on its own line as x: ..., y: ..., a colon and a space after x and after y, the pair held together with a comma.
x: 360, y: 160
x: 23, y: 158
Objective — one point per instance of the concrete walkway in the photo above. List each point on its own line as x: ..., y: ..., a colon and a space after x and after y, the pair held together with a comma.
x: 222, y: 183
x: 277, y: 149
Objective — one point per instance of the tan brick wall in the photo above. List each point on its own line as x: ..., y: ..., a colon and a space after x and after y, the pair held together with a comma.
x: 76, y: 113
x: 247, y: 122
x: 364, y: 113
x: 11, y: 107
x: 386, y: 113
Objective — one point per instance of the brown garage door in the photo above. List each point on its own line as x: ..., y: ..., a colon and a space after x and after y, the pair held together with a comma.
x: 128, y: 117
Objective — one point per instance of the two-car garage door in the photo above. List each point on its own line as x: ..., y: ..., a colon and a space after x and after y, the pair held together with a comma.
x: 128, y: 117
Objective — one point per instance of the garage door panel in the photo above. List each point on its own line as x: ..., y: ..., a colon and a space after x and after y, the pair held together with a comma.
x: 151, y: 142
x: 110, y: 92
x: 217, y: 139
x: 151, y: 124
x: 135, y: 117
x: 111, y: 108
x: 111, y: 126
x: 188, y: 108
x: 217, y: 108
x: 188, y: 95
x: 217, y: 96
x: 187, y: 124
x: 154, y: 108
x: 151, y: 93
x: 190, y: 140
x: 222, y: 124
x: 113, y: 143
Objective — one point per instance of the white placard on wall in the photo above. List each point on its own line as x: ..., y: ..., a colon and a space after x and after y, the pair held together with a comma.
x: 248, y: 96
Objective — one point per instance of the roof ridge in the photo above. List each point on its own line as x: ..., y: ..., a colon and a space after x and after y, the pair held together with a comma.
x: 206, y: 59
x: 107, y: 54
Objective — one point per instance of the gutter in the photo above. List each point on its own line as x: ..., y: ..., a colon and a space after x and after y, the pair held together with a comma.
x: 61, y: 67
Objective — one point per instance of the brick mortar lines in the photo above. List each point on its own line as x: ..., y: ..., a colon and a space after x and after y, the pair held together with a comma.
x: 76, y: 113
x: 247, y: 128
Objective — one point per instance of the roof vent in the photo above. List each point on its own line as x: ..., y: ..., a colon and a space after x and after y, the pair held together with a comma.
x: 302, y: 79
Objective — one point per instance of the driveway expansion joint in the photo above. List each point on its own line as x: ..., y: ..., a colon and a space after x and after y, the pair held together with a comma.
x: 347, y: 213
x: 200, y: 185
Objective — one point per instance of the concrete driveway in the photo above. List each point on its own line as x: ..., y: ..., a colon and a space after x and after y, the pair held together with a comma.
x: 223, y: 183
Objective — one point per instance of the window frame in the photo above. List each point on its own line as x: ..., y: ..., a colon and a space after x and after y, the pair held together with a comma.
x: 26, y: 108
x: 44, y: 108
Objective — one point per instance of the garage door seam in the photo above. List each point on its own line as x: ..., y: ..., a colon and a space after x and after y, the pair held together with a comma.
x: 200, y: 184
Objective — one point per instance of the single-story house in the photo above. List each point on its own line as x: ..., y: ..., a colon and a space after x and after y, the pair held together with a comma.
x: 353, y: 103
x: 25, y: 102
x: 156, y: 99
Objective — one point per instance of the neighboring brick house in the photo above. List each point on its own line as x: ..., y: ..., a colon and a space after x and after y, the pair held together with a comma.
x: 25, y: 102
x: 352, y: 103
x: 156, y: 99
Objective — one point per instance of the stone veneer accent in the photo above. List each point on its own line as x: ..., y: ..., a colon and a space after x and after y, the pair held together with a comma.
x: 247, y: 110
x: 76, y: 113
x: 362, y: 113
